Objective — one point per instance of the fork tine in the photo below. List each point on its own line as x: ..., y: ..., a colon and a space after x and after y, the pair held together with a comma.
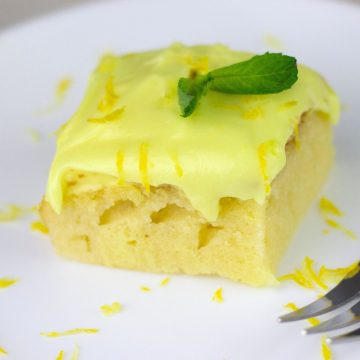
x: 347, y: 290
x: 346, y: 318
x: 353, y: 335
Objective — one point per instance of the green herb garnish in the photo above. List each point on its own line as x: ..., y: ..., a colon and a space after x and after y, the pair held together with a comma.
x: 269, y: 73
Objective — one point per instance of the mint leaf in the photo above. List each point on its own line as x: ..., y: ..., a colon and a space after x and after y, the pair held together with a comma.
x: 262, y: 74
x: 190, y: 91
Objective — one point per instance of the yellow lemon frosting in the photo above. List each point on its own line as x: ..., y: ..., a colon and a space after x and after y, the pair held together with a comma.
x: 128, y: 129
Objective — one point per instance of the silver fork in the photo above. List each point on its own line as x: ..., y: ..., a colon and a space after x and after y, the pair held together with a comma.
x: 346, y: 292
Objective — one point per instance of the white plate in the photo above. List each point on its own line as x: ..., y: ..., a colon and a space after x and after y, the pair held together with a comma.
x: 178, y: 321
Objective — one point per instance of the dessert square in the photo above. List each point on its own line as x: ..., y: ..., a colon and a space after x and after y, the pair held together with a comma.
x: 134, y: 185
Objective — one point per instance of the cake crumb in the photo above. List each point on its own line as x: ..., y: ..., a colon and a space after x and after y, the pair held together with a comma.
x: 39, y: 227
x: 145, y: 289
x: 165, y: 281
x: 111, y: 309
x: 325, y: 349
x: 218, y: 296
x: 55, y: 334
x: 6, y: 282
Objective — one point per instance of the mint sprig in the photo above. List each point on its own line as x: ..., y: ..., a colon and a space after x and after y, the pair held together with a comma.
x: 269, y: 73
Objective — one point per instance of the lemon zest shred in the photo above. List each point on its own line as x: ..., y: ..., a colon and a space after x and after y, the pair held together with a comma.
x: 120, y: 167
x: 314, y: 321
x: 40, y: 227
x: 309, y: 266
x: 3, y: 351
x: 143, y: 166
x: 253, y: 114
x: 335, y: 225
x: 55, y: 334
x: 75, y: 353
x: 327, y: 207
x: 132, y: 242
x: 13, y: 212
x: 111, y: 309
x: 218, y: 296
x: 307, y: 277
x: 63, y: 87
x: 288, y: 105
x: 178, y: 168
x: 325, y: 349
x: 337, y: 274
x: 60, y: 355
x: 6, y: 282
x: 165, y: 281
x: 111, y: 117
x: 110, y: 98
x: 262, y: 152
x: 299, y: 278
x: 291, y: 306
x: 145, y: 289
x: 353, y: 272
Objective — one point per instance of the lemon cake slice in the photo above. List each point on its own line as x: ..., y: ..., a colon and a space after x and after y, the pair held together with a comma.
x: 135, y: 185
